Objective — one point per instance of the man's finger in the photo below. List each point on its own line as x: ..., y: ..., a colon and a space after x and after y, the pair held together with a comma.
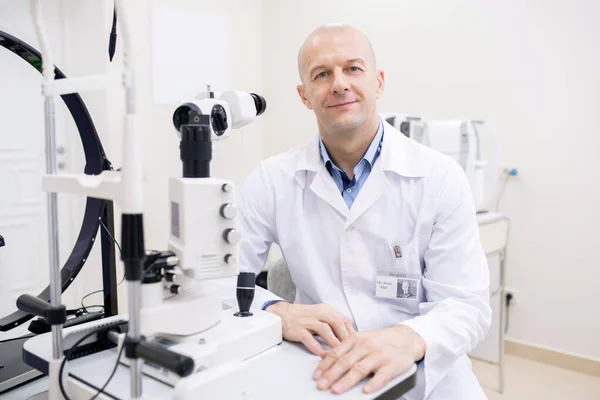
x: 341, y: 367
x: 349, y: 326
x: 334, y: 319
x: 360, y: 369
x: 339, y: 328
x: 307, y: 339
x: 324, y: 330
x: 332, y: 356
x: 381, y: 378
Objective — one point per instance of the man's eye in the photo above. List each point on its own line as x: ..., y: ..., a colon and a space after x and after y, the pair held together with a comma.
x: 322, y: 75
x: 354, y: 69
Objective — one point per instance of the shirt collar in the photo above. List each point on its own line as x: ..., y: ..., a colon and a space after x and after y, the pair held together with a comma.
x: 370, y: 154
x: 399, y: 154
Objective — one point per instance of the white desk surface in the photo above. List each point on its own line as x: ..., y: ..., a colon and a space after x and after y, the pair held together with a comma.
x: 283, y: 372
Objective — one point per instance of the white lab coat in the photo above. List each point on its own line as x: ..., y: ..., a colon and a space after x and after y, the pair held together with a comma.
x: 414, y: 198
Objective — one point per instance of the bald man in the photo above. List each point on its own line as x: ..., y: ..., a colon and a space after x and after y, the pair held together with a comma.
x: 357, y: 211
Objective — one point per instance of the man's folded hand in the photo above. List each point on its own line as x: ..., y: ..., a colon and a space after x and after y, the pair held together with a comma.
x: 301, y: 322
x: 386, y: 353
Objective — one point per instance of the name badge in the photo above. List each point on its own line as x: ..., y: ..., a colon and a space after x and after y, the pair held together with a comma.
x: 397, y: 285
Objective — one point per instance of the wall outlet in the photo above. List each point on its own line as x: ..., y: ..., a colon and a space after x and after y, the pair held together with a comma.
x: 508, y: 169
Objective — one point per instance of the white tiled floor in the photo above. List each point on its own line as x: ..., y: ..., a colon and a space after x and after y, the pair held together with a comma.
x: 526, y: 379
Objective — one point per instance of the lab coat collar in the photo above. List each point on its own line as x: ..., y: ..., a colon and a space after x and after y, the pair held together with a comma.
x: 399, y: 154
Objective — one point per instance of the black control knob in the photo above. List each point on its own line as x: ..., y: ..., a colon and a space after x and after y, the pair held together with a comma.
x: 245, y: 293
x: 175, y: 289
x: 219, y: 120
x: 260, y: 103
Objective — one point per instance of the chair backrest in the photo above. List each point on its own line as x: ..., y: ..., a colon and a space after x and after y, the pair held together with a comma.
x: 279, y: 281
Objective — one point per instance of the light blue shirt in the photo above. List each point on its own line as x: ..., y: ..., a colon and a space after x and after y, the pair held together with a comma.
x: 349, y: 188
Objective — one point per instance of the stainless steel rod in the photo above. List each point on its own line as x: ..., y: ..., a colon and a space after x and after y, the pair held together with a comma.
x: 52, y: 209
x: 134, y: 296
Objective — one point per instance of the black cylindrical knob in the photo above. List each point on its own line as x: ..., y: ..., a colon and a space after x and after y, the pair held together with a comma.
x: 245, y: 293
x: 219, y: 120
x: 175, y: 289
x: 195, y: 151
x: 35, y: 305
x: 32, y: 305
x: 259, y: 102
x: 160, y: 355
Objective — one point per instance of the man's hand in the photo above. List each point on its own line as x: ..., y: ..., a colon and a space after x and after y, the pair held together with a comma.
x: 386, y: 352
x: 301, y: 322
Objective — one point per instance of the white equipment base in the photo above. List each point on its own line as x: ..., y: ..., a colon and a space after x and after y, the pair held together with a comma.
x: 230, y: 342
x: 281, y: 372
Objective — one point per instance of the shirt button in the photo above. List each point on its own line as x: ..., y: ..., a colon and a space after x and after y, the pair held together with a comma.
x: 348, y: 190
x: 350, y: 228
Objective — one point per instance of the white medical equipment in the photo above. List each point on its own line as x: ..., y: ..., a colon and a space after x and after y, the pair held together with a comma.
x: 469, y: 142
x: 176, y: 320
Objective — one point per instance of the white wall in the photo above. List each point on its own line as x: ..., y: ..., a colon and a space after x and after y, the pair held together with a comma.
x: 530, y: 68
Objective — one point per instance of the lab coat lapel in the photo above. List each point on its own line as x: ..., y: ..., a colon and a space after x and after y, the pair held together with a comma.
x: 373, y: 188
x: 324, y: 186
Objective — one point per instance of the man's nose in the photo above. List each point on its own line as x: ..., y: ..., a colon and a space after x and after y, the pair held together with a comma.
x: 340, y: 84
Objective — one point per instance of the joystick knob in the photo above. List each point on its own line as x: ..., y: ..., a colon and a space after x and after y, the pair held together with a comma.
x: 245, y: 293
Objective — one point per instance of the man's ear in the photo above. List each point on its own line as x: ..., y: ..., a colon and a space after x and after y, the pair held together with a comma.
x: 380, y: 83
x: 302, y: 93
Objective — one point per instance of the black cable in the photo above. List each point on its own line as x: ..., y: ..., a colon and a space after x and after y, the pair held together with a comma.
x: 112, y: 41
x: 110, y: 234
x: 502, y: 191
x: 122, y: 279
x: 508, y: 299
x: 68, y: 355
x: 112, y: 374
x: 88, y: 295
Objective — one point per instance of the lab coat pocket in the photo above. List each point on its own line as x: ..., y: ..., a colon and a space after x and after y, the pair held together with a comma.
x: 399, y: 281
x: 403, y: 259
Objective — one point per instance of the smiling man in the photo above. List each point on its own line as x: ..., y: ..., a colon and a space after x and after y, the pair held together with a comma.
x: 364, y: 215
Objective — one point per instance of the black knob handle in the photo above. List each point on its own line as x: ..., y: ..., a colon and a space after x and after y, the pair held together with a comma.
x: 1, y: 241
x: 32, y: 305
x: 245, y: 293
x: 260, y: 103
x: 219, y: 119
x: 160, y: 355
x: 36, y: 306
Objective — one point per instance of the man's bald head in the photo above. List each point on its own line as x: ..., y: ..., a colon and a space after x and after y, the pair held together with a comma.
x: 340, y: 81
x: 329, y: 34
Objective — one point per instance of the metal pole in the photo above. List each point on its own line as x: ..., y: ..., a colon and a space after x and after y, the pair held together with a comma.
x: 502, y: 321
x: 109, y: 264
x: 52, y: 208
x: 134, y: 296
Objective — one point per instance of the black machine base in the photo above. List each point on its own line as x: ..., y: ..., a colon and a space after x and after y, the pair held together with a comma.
x: 14, y: 371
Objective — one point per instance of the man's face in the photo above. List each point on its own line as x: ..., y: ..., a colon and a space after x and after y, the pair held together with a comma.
x: 340, y: 82
x: 405, y: 287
